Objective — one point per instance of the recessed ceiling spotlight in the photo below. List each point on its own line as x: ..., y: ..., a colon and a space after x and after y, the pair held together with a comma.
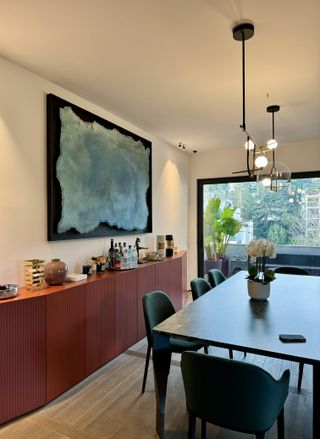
x: 182, y: 146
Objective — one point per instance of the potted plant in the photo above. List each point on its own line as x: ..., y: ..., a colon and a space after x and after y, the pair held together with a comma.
x: 100, y: 262
x: 219, y: 227
x: 259, y: 278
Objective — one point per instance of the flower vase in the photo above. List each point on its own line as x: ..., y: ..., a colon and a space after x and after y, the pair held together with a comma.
x: 55, y: 272
x: 258, y: 290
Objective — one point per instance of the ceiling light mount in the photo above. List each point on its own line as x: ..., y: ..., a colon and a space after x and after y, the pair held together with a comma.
x: 273, y: 108
x: 243, y: 32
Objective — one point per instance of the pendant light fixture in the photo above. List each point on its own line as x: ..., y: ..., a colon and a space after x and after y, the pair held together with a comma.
x: 278, y: 175
x: 244, y: 32
x: 256, y: 156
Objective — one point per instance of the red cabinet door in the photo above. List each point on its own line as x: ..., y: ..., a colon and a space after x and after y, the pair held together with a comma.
x: 162, y: 277
x: 146, y: 284
x: 65, y: 339
x: 99, y: 323
x: 23, y: 357
x: 176, y: 284
x: 126, y: 311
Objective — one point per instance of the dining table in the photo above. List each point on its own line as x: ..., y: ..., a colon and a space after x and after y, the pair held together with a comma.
x: 226, y: 317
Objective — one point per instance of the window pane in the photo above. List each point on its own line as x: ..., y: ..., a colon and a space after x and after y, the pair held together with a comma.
x: 284, y: 217
x: 290, y: 219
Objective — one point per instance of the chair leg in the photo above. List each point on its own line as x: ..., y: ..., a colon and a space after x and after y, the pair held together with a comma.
x: 300, y: 375
x: 192, y: 426
x: 280, y: 424
x: 230, y: 354
x: 206, y: 349
x: 146, y: 369
x: 203, y: 429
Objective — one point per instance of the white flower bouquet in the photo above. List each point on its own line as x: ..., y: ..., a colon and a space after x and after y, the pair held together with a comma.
x: 258, y: 251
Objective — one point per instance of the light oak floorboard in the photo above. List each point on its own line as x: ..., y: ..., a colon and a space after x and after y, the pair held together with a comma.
x: 108, y: 404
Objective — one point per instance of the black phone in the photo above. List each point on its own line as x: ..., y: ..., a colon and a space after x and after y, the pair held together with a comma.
x: 292, y: 338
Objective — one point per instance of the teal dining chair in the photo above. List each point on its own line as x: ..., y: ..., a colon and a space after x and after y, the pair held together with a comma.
x: 291, y: 270
x: 199, y: 286
x: 215, y: 277
x: 232, y: 394
x: 157, y: 307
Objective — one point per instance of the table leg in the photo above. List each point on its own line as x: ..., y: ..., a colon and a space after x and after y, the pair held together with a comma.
x: 161, y: 356
x: 316, y: 401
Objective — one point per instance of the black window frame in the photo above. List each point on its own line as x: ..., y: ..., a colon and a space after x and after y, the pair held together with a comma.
x: 203, y: 181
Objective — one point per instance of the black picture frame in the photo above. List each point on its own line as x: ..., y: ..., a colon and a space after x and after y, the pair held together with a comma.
x: 54, y: 199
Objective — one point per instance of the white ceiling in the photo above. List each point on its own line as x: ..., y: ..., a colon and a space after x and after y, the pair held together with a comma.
x: 172, y: 67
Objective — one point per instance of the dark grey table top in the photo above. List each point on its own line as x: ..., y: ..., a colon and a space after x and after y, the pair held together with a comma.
x: 226, y: 317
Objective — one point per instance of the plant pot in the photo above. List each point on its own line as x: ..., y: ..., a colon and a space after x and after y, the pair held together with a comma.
x: 209, y: 264
x: 225, y: 266
x: 258, y: 290
x: 100, y: 268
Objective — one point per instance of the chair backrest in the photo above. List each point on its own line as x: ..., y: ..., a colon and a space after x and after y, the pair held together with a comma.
x: 232, y: 394
x: 291, y: 270
x: 215, y: 277
x: 157, y: 307
x: 199, y: 286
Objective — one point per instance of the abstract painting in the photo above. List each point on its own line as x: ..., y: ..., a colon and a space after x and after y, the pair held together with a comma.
x: 99, y: 175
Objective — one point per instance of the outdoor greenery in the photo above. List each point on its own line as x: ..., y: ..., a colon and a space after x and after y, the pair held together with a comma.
x: 284, y: 217
x: 220, y: 225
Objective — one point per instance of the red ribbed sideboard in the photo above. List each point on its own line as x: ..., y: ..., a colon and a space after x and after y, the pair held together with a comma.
x: 53, y: 338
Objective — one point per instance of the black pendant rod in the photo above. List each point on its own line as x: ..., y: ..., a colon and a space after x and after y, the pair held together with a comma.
x: 273, y: 109
x: 244, y: 127
x: 273, y: 125
x: 243, y: 32
x: 273, y: 151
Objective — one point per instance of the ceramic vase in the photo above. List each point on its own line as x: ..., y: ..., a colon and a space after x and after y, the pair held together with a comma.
x: 55, y: 272
x: 258, y: 290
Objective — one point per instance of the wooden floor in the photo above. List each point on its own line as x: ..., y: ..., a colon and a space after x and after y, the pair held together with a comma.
x: 109, y: 404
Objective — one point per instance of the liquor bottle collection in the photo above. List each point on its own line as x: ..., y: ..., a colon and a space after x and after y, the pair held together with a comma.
x: 121, y: 257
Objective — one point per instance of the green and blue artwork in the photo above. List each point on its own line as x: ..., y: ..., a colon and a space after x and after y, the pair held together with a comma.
x: 104, y: 178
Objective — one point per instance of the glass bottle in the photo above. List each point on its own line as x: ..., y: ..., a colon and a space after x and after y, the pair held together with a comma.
x: 111, y: 254
x: 124, y: 259
x: 117, y: 264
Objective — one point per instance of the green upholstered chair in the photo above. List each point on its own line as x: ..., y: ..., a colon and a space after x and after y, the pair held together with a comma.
x: 291, y: 270
x: 199, y: 286
x: 232, y: 394
x: 157, y: 307
x: 215, y: 277
x: 301, y: 272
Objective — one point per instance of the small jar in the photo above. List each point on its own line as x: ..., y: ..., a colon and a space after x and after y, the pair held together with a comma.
x: 169, y: 246
x: 87, y: 269
x: 161, y: 245
x: 55, y: 272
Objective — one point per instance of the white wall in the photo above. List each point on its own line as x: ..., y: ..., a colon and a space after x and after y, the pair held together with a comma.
x: 23, y: 217
x: 299, y: 156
